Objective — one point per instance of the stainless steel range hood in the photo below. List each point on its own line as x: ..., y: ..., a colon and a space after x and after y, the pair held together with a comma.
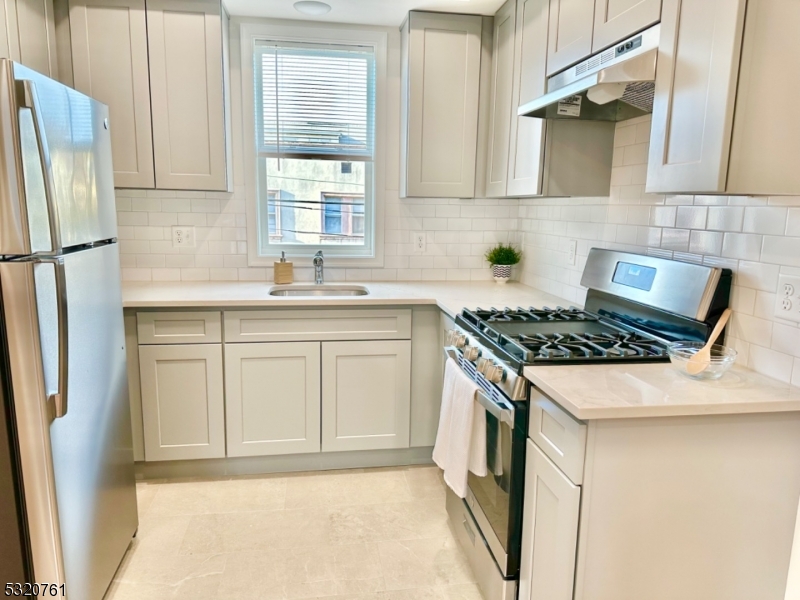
x: 612, y: 85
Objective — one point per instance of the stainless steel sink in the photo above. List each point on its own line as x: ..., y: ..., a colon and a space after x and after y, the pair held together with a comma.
x: 318, y: 290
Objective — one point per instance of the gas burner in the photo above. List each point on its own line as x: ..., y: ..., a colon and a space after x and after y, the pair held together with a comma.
x: 588, y: 346
x: 523, y: 315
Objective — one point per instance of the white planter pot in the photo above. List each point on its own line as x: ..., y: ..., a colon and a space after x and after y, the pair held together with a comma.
x: 501, y: 273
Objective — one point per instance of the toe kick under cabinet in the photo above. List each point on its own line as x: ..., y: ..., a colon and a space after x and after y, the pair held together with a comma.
x: 274, y: 382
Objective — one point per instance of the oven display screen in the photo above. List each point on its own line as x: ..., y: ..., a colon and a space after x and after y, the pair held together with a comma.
x: 635, y: 276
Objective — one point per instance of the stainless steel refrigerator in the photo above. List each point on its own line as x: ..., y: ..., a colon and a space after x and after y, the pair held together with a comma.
x: 67, y: 491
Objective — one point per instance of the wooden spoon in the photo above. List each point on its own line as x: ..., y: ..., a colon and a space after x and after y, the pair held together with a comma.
x: 701, y: 359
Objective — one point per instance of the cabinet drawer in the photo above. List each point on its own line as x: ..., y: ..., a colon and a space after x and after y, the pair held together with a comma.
x: 179, y: 327
x: 558, y: 434
x: 317, y: 325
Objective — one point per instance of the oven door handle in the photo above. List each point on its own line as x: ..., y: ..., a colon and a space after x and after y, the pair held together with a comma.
x: 505, y: 415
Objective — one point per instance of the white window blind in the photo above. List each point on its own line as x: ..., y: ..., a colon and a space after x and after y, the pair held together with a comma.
x: 315, y: 102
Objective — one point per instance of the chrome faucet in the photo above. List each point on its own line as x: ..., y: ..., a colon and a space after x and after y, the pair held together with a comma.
x: 319, y: 263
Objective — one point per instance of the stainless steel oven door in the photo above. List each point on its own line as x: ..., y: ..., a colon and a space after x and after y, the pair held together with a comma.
x: 495, y: 500
x: 489, y: 497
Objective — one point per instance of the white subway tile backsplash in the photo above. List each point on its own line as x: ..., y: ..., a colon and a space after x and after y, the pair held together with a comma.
x: 705, y: 242
x: 725, y: 218
x: 692, y: 217
x: 765, y: 219
x: 781, y: 250
x: 742, y: 245
x: 771, y: 363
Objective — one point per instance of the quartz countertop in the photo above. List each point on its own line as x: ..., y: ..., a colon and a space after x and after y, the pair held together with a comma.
x: 449, y: 296
x: 658, y: 390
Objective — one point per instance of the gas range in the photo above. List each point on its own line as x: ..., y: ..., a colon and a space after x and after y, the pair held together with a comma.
x: 571, y: 335
x: 635, y: 306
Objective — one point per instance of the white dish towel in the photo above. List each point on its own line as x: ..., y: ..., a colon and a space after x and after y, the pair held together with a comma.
x: 461, y: 438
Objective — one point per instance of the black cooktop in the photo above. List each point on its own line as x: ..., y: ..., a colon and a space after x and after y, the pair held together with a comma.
x: 530, y: 336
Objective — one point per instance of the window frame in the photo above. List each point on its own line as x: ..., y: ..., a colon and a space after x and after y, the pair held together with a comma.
x: 353, y: 256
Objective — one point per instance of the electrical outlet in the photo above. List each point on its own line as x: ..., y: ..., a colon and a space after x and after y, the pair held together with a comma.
x: 573, y: 252
x: 420, y: 242
x: 183, y: 237
x: 787, y: 303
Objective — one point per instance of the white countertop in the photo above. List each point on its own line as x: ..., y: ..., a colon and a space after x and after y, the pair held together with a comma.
x: 657, y: 390
x: 451, y: 297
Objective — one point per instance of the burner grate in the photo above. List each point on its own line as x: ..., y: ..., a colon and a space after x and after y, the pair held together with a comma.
x: 529, y: 315
x: 589, y: 346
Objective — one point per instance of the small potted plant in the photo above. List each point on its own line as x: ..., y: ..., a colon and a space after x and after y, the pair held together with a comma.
x: 502, y: 258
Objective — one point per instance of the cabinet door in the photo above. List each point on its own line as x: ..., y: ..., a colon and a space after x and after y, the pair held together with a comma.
x: 530, y: 63
x: 570, y: 33
x: 28, y: 34
x: 549, y: 530
x: 441, y: 79
x: 186, y: 86
x: 182, y: 403
x: 366, y: 397
x: 272, y: 398
x: 698, y: 69
x: 109, y: 63
x: 615, y: 20
x: 500, y: 103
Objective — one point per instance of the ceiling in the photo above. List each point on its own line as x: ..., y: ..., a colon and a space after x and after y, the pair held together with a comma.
x: 389, y: 13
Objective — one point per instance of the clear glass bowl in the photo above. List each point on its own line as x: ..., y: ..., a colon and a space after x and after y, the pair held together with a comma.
x: 722, y: 359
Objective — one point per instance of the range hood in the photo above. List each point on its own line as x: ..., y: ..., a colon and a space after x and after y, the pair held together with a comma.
x: 612, y: 85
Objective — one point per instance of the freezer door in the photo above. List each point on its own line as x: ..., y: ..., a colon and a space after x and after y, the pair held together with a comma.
x: 90, y: 443
x: 57, y: 158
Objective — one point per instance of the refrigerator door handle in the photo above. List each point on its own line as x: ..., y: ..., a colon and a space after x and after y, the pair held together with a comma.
x: 30, y: 99
x: 58, y: 400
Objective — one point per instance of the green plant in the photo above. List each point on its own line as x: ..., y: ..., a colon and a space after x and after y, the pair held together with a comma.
x: 503, y: 255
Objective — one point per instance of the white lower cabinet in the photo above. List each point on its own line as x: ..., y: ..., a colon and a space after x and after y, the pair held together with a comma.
x: 366, y: 397
x: 272, y: 398
x: 182, y: 401
x: 549, y: 530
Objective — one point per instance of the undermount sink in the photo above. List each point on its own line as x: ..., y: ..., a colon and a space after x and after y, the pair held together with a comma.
x: 318, y: 290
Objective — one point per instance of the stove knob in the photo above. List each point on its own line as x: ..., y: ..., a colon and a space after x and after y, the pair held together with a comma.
x: 460, y: 341
x: 483, y: 363
x: 471, y: 353
x: 451, y: 334
x: 495, y: 374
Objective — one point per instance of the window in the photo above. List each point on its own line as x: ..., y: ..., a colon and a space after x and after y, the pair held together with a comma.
x: 273, y: 215
x: 343, y: 217
x: 315, y: 113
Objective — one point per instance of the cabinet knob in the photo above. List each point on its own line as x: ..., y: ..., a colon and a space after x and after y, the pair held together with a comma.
x: 471, y: 353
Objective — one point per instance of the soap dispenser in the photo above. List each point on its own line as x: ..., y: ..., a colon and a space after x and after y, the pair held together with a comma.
x: 284, y: 271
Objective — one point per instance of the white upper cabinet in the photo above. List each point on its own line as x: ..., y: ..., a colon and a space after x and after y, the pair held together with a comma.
x: 109, y: 62
x: 570, y: 33
x: 527, y: 135
x: 715, y: 129
x: 500, y: 113
x: 159, y: 65
x: 187, y: 92
x: 440, y: 96
x: 615, y: 20
x: 27, y: 34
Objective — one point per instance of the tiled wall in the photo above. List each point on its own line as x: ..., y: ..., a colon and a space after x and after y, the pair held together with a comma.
x: 458, y: 233
x: 757, y: 237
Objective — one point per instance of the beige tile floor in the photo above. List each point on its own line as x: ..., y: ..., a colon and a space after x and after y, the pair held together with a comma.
x: 363, y: 534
